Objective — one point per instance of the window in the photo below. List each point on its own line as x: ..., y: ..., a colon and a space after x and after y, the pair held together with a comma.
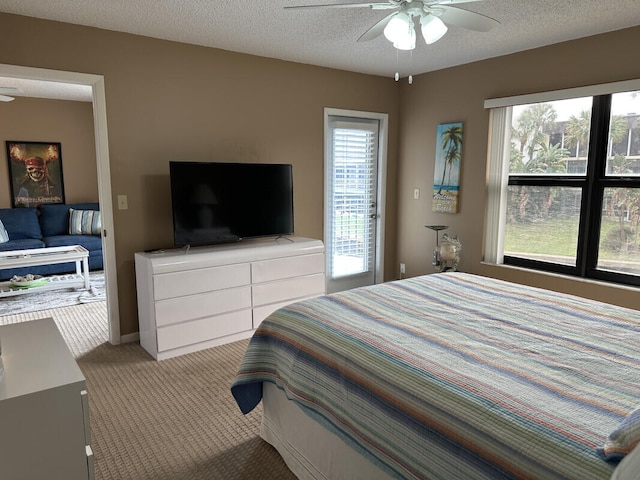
x: 564, y: 192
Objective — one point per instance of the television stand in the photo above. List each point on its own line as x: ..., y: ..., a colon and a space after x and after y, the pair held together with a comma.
x: 220, y: 294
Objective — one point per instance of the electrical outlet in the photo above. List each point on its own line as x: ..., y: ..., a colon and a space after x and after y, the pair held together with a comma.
x: 402, y: 268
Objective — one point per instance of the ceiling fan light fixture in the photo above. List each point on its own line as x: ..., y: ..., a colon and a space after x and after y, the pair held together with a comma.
x: 5, y: 93
x: 408, y: 42
x: 401, y: 32
x: 433, y: 29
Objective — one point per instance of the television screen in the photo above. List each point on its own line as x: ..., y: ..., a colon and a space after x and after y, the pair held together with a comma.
x: 225, y: 202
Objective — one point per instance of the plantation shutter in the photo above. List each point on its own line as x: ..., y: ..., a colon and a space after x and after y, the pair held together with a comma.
x: 352, y: 195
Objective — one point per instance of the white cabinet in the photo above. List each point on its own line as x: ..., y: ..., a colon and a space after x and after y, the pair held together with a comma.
x: 44, y: 410
x: 206, y: 296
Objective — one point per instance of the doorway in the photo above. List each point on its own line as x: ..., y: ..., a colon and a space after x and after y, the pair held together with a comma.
x: 355, y: 178
x: 96, y: 82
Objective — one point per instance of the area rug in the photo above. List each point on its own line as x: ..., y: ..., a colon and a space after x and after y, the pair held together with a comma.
x: 50, y: 299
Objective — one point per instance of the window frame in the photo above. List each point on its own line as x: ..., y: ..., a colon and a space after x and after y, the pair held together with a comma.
x: 593, y: 183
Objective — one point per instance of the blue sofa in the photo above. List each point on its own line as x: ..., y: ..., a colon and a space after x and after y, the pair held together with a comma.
x: 47, y: 226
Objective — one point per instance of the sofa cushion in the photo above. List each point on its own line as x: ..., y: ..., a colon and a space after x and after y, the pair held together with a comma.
x: 21, y: 244
x: 90, y: 242
x: 21, y: 223
x: 85, y: 222
x: 4, y: 236
x: 54, y: 218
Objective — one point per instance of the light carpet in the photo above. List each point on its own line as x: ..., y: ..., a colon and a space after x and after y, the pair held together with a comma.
x: 175, y: 419
x: 37, y: 300
x: 169, y: 420
x: 84, y: 327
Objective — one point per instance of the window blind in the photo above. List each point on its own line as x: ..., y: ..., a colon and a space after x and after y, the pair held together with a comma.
x: 354, y: 149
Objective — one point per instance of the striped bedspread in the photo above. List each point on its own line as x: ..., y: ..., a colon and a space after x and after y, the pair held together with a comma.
x: 455, y: 376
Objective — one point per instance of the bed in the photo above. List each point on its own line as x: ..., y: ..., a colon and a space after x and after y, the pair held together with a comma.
x: 446, y: 376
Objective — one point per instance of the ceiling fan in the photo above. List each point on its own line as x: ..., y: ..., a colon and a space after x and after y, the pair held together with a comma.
x: 433, y: 17
x: 8, y: 90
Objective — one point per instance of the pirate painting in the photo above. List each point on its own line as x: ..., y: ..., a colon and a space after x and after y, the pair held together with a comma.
x: 36, y: 173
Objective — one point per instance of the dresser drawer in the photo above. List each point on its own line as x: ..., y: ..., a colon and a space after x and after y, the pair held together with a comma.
x: 176, y: 310
x: 188, y: 333
x: 280, y: 268
x: 178, y: 284
x: 289, y: 289
x: 263, y: 311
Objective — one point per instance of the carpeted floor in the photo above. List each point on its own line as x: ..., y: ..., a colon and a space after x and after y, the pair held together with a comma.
x: 169, y: 420
x: 84, y: 327
x: 175, y: 419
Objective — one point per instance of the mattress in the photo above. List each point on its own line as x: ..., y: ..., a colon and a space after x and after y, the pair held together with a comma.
x: 454, y: 375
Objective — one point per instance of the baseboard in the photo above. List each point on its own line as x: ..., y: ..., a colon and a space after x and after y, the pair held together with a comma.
x: 130, y: 337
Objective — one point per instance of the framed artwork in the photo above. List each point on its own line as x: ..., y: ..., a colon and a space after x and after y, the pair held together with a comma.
x: 35, y: 173
x: 446, y: 176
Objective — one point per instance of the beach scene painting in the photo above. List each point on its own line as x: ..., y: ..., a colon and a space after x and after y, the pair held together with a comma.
x: 446, y: 177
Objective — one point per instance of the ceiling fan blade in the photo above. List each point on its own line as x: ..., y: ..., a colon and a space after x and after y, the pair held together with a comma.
x: 376, y: 30
x: 4, y: 98
x: 434, y: 3
x: 372, y: 5
x: 459, y: 17
x: 10, y: 90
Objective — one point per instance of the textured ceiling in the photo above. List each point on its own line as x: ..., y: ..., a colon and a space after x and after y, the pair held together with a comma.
x: 44, y: 89
x: 328, y: 37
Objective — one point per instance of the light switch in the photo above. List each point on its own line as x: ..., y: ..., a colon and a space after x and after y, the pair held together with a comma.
x: 416, y: 193
x: 123, y: 203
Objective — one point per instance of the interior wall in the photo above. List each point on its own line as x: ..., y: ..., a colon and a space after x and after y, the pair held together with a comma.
x: 458, y: 94
x: 41, y: 120
x: 170, y: 101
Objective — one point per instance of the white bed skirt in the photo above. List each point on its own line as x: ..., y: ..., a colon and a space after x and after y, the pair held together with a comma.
x: 310, y: 451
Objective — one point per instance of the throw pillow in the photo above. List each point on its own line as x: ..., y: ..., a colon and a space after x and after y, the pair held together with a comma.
x: 84, y: 222
x: 629, y: 467
x: 4, y: 235
x: 624, y: 438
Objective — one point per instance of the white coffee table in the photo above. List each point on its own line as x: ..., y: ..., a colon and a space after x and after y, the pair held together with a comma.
x: 47, y: 256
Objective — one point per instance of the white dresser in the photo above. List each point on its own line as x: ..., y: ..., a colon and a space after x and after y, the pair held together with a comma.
x: 206, y: 296
x: 44, y: 410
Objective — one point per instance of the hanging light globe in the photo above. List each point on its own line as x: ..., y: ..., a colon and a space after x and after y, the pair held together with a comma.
x: 401, y: 32
x: 433, y: 29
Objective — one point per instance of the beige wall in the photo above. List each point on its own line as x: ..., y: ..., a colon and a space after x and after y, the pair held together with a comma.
x: 170, y: 101
x: 458, y: 94
x: 69, y: 123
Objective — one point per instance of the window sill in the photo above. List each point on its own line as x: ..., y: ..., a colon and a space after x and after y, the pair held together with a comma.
x: 622, y: 295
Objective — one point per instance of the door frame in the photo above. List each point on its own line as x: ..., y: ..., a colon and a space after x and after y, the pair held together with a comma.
x: 383, y: 139
x: 96, y: 82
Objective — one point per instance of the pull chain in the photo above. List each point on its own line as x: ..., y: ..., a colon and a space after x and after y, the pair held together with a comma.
x: 411, y: 64
x: 397, y: 75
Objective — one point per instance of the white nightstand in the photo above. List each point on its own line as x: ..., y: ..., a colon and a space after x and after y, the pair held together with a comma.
x: 44, y: 409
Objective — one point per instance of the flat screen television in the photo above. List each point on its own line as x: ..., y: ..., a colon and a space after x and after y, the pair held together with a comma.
x: 215, y: 202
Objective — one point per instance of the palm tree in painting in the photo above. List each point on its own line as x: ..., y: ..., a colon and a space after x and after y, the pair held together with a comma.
x: 453, y: 156
x: 452, y: 146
